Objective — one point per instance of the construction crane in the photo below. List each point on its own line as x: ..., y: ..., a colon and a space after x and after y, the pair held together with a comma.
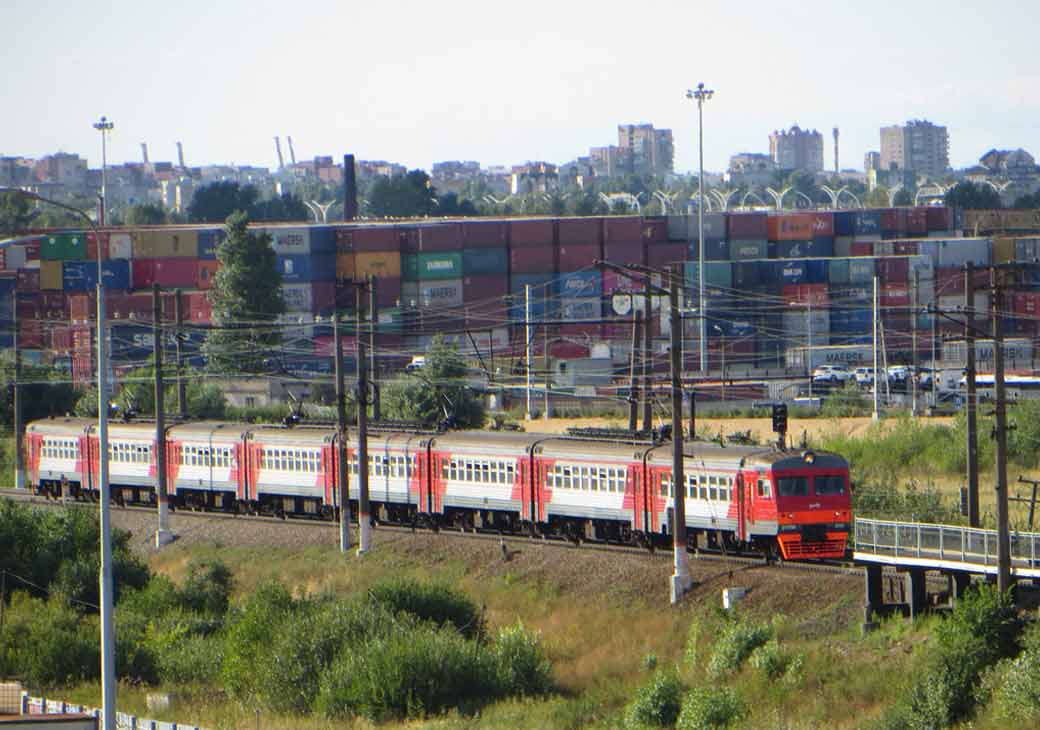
x: 292, y: 155
x: 278, y: 149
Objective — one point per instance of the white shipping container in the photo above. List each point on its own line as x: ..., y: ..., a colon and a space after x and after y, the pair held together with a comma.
x: 1018, y: 351
x: 796, y: 326
x: 843, y: 246
x: 14, y: 258
x: 120, y: 246
x: 851, y: 355
x: 290, y: 240
x: 582, y: 308
x: 298, y: 297
x: 923, y: 264
x: 446, y: 293
x: 954, y: 304
x: 959, y: 251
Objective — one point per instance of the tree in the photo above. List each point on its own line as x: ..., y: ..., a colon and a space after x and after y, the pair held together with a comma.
x: 215, y: 202
x: 972, y: 196
x: 401, y: 197
x: 1027, y: 202
x: 15, y: 214
x: 436, y: 393
x: 45, y: 392
x: 247, y: 298
x: 449, y: 205
x: 286, y: 207
x: 903, y: 197
x: 204, y: 400
x: 146, y: 214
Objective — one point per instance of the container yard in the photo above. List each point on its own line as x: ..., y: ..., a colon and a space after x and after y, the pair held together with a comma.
x: 775, y: 282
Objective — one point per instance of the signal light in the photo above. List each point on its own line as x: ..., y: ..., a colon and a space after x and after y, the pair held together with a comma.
x: 780, y: 418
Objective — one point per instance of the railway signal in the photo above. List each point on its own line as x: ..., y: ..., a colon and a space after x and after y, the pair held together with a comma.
x: 780, y: 422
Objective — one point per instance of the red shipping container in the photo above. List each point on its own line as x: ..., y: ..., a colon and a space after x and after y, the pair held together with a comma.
x: 437, y: 237
x: 206, y: 271
x: 614, y: 283
x: 622, y: 229
x: 862, y: 248
x: 371, y: 238
x: 344, y: 239
x: 583, y: 231
x: 3, y: 258
x: 82, y: 307
x: 792, y: 227
x: 32, y: 250
x: 661, y: 255
x: 655, y: 230
x: 822, y: 224
x: 92, y: 245
x: 531, y: 232
x: 806, y: 293
x: 53, y: 305
x: 940, y: 218
x: 483, y: 234
x: 481, y: 288
x: 747, y: 226
x: 623, y: 252
x: 30, y: 333
x: 949, y: 280
x: 388, y: 294
x: 893, y: 270
x: 917, y: 220
x: 169, y: 272
x: 324, y: 346
x: 579, y: 329
x: 564, y: 350
x: 893, y: 220
x: 28, y: 280
x: 905, y: 248
x: 576, y: 256
x: 532, y: 260
x: 894, y: 295
x: 197, y: 307
x: 60, y: 339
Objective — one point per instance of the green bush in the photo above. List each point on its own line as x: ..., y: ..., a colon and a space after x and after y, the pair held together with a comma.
x: 710, y: 708
x: 770, y: 659
x: 522, y: 668
x: 408, y: 674
x: 208, y: 587
x: 846, y: 402
x: 48, y: 643
x: 737, y: 641
x: 1017, y: 696
x: 656, y: 703
x: 249, y: 636
x: 434, y: 602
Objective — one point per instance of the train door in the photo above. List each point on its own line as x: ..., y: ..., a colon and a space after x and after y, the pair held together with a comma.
x: 743, y: 506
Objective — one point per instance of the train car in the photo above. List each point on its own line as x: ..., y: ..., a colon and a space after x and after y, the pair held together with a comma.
x: 793, y: 505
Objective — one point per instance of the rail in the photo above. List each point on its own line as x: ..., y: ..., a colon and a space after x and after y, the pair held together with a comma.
x: 36, y: 706
x: 908, y: 543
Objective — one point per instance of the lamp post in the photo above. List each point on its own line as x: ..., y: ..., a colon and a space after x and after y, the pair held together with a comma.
x: 103, y: 125
x: 701, y: 95
x: 108, y: 680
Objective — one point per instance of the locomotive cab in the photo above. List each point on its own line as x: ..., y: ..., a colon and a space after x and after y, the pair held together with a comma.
x: 813, y: 505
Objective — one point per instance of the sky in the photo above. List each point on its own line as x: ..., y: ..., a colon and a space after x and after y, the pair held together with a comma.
x: 503, y: 83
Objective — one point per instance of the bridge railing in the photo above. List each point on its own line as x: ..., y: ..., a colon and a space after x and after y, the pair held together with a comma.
x: 943, y: 542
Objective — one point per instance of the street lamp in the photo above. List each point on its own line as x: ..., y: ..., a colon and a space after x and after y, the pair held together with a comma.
x: 108, y: 664
x: 103, y: 125
x: 701, y: 95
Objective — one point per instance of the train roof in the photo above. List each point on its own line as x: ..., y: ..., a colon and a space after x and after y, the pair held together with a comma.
x: 208, y: 430
x: 63, y: 426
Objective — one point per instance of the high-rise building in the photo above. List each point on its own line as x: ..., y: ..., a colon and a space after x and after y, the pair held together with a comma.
x: 918, y: 146
x: 650, y: 151
x: 797, y: 149
x: 872, y: 161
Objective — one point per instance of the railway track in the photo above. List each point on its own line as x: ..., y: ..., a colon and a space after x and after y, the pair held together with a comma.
x: 741, y: 561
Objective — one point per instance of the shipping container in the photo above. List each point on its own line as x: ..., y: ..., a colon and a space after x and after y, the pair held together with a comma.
x: 302, y: 268
x: 838, y: 271
x: 746, y: 274
x: 843, y: 246
x: 655, y: 230
x: 716, y: 273
x: 388, y: 294
x: 435, y: 237
x: 14, y: 257
x: 615, y: 282
x: 922, y: 267
x: 369, y: 239
x: 624, y: 253
x: 1027, y: 250
x: 585, y: 308
x: 954, y: 305
x: 299, y: 240
x: 862, y: 248
x: 939, y: 218
x: 206, y: 271
x: 165, y: 243
x: 345, y: 265
x: 893, y: 220
x: 816, y: 294
x: 714, y: 224
x: 798, y: 322
x: 174, y: 272
x: 580, y: 284
x: 743, y: 249
x: 121, y: 246
x: 51, y: 274
x: 440, y: 265
x: 679, y: 228
x: 535, y: 232
x: 747, y: 226
x: 714, y: 250
x: 850, y: 356
x: 410, y: 267
x: 541, y: 294
x: 82, y: 275
x: 28, y: 280
x: 917, y: 221
x: 314, y: 298
x: 622, y: 229
x: 893, y: 270
x: 950, y: 280
x: 958, y: 252
x: 483, y: 234
x: 485, y: 287
x: 440, y: 293
x: 867, y: 222
x: 996, y: 221
x: 384, y: 264
x: 665, y: 255
x: 485, y: 261
x: 94, y: 250
x: 844, y: 223
x: 822, y: 224
x: 532, y: 259
x: 197, y: 307
x: 894, y: 295
x: 849, y: 320
x: 1003, y: 250
x: 63, y: 246
x: 814, y: 248
x: 804, y: 271
x: 579, y: 231
x: 575, y: 256
x: 791, y: 226
x: 861, y: 270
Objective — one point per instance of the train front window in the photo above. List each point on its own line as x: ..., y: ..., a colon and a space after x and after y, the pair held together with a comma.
x: 792, y: 486
x: 829, y: 486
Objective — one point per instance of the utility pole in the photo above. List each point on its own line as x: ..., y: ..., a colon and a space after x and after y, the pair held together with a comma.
x: 548, y: 372
x: 108, y: 634
x: 647, y: 393
x: 877, y: 392
x: 163, y: 535
x: 681, y: 581
x: 364, y: 518
x: 935, y: 372
x: 341, y: 440
x: 182, y: 386
x: 527, y: 350
x: 913, y: 346
x: 633, y: 387
x: 19, y: 463
x: 972, y: 397
x: 1003, y: 536
x: 373, y: 318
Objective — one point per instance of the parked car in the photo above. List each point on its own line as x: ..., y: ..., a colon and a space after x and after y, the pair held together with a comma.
x: 864, y: 376
x: 898, y: 373
x: 832, y: 374
x: 947, y: 403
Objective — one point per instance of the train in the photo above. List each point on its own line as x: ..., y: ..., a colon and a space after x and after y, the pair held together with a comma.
x: 788, y: 504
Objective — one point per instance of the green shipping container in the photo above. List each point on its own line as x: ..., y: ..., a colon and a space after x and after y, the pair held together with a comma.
x: 409, y: 267
x: 63, y: 246
x: 441, y: 265
x: 483, y: 261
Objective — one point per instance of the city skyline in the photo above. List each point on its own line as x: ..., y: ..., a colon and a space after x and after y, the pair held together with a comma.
x: 462, y: 82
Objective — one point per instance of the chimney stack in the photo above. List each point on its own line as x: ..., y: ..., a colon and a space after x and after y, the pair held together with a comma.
x: 292, y: 155
x: 180, y: 155
x: 144, y: 152
x: 350, y: 209
x: 837, y: 169
x: 278, y: 149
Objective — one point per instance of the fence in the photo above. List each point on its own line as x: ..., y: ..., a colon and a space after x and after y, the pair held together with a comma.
x: 947, y: 543
x: 44, y: 706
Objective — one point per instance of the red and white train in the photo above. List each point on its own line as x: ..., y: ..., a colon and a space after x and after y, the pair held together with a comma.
x: 791, y: 504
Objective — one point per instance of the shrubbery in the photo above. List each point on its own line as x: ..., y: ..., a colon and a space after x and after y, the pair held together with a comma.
x: 737, y: 640
x: 438, y: 603
x: 656, y: 703
x: 711, y: 708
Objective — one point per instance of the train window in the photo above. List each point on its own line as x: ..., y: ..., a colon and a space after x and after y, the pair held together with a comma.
x: 510, y: 471
x: 831, y: 486
x: 763, y: 489
x: 792, y: 487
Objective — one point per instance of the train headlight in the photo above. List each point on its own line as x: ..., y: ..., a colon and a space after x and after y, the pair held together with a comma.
x: 809, y: 457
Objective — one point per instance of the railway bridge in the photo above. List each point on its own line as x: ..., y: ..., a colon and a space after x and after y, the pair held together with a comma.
x: 914, y: 549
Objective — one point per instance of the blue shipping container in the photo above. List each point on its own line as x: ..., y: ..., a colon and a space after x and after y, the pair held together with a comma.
x: 323, y: 239
x: 868, y: 221
x: 807, y: 271
x: 541, y: 290
x: 82, y: 275
x: 306, y: 268
x: 209, y: 240
x: 480, y: 261
x: 717, y: 250
x: 820, y: 247
x: 716, y: 273
x: 844, y: 223
x: 580, y: 284
x: 746, y: 273
x: 854, y: 319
